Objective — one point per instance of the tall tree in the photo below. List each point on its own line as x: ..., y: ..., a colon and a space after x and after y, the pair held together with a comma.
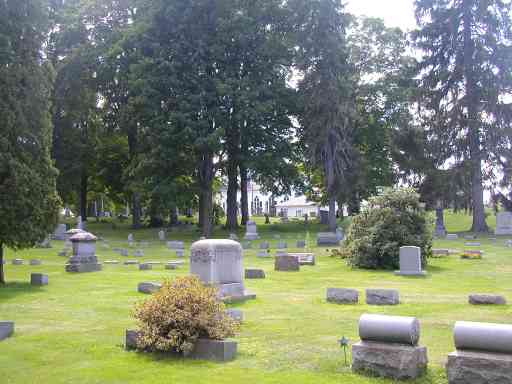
x: 327, y: 91
x: 466, y: 71
x: 28, y: 199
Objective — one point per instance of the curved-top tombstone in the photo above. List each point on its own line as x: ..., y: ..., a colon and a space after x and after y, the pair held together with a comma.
x: 389, y: 329
x: 219, y: 263
x: 488, y: 337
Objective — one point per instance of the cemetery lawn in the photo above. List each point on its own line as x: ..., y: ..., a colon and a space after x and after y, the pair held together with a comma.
x: 71, y: 331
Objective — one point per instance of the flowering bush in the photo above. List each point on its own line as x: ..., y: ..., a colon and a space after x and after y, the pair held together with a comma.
x: 178, y: 314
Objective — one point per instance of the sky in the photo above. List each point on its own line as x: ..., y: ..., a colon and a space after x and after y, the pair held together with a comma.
x: 396, y: 13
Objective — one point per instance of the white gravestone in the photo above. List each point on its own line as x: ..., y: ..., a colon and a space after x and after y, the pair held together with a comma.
x: 219, y: 263
x: 410, y: 262
x: 251, y: 231
x: 130, y: 239
x: 504, y: 223
x: 161, y: 235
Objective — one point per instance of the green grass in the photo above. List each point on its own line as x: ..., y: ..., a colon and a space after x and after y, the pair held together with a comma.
x: 71, y: 331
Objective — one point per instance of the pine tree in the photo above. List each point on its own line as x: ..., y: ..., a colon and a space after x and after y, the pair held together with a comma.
x: 466, y: 71
x: 28, y: 199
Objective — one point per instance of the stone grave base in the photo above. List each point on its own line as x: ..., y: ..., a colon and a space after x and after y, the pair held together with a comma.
x: 396, y: 361
x: 85, y: 267
x: 406, y: 273
x: 6, y: 329
x: 467, y: 367
x: 204, y: 349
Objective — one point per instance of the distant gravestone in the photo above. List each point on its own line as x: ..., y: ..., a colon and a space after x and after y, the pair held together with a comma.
x: 382, y: 297
x: 503, y: 223
x: 148, y: 287
x: 440, y: 252
x: 452, y: 236
x: 263, y: 254
x: 339, y: 234
x: 161, y: 235
x: 235, y: 314
x: 232, y: 236
x: 342, y: 296
x: 253, y: 273
x: 324, y: 217
x: 410, y: 262
x: 439, y: 229
x: 131, y: 262
x: 17, y: 262
x: 219, y: 263
x: 138, y: 253
x: 60, y: 232
x: 180, y: 253
x: 35, y: 262
x: 130, y: 238
x: 175, y: 245
x: 45, y: 243
x: 38, y: 279
x: 246, y: 245
x: 327, y: 239
x: 301, y: 244
x: 483, y: 299
x: 281, y: 245
x: 287, y: 263
x: 508, y: 243
x: 304, y: 258
x: 251, y: 232
x: 472, y: 244
x: 79, y: 223
x: 123, y: 252
x: 264, y: 245
x: 84, y: 257
x: 6, y: 329
x: 145, y: 267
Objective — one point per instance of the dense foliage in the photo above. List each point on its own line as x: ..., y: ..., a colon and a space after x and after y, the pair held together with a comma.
x: 389, y: 221
x: 182, y: 311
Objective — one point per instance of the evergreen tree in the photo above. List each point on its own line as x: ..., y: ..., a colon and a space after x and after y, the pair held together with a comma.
x: 465, y: 72
x: 28, y: 199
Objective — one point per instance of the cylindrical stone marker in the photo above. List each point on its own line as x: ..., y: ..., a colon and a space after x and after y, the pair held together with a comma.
x: 487, y: 337
x: 389, y: 329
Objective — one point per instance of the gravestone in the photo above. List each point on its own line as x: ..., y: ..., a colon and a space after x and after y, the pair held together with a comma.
x: 439, y: 229
x: 175, y: 245
x: 251, y: 232
x: 452, y: 236
x: 145, y: 267
x: 173, y: 264
x: 131, y: 262
x: 324, y: 217
x: 483, y: 299
x: 161, y: 235
x: 130, y: 239
x: 17, y: 262
x: 38, y: 279
x: 246, y: 245
x: 304, y: 258
x: 503, y: 223
x: 263, y: 254
x: 180, y: 253
x: 301, y: 244
x: 472, y: 244
x: 389, y: 347
x: 123, y: 252
x: 60, y: 232
x: 342, y: 296
x: 235, y: 314
x: 6, y: 329
x: 281, y: 245
x: 287, y: 263
x: 339, y: 234
x: 138, y: 253
x: 264, y: 245
x: 148, y: 287
x: 253, y: 273
x: 440, y: 252
x: 508, y: 243
x: 410, y: 262
x: 233, y: 237
x: 382, y: 297
x: 281, y: 253
x: 35, y: 262
x: 84, y: 257
x: 45, y: 243
x: 483, y: 354
x: 219, y: 263
x: 327, y: 239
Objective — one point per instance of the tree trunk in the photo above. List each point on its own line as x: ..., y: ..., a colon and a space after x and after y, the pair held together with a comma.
x: 331, y: 193
x: 233, y: 151
x: 136, y: 213
x: 332, y: 214
x: 206, y: 173
x: 83, y: 194
x: 244, y: 192
x: 475, y: 151
x: 173, y: 217
x: 2, y: 277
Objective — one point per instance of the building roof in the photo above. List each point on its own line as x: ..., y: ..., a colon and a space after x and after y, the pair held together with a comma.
x: 299, y: 201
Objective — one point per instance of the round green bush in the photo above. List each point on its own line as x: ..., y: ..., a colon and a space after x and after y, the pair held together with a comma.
x: 389, y: 221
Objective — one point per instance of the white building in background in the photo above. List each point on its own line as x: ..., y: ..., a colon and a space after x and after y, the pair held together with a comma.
x: 298, y: 207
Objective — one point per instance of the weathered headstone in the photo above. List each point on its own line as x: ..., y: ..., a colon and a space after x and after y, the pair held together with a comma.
x: 123, y: 252
x: 287, y: 263
x: 342, y: 296
x: 219, y: 263
x: 161, y: 235
x: 389, y: 347
x: 483, y: 299
x: 339, y: 234
x: 410, y: 262
x: 472, y: 244
x: 251, y: 231
x: 130, y: 239
x: 382, y: 297
x: 45, y: 243
x: 263, y: 254
x: 38, y: 279
x: 503, y: 223
x: 232, y: 236
x: 327, y: 239
x: 84, y: 257
x: 6, y: 329
x: 324, y: 217
x: 180, y: 253
x: 483, y: 354
x: 131, y: 262
x: 440, y: 252
x: 148, y: 287
x: 253, y: 273
x: 508, y: 243
x: 173, y: 264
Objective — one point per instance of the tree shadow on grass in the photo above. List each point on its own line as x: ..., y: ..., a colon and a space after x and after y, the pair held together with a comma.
x: 11, y: 290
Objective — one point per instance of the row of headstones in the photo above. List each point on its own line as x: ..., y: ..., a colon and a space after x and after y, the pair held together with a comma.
x: 389, y: 347
x: 21, y: 262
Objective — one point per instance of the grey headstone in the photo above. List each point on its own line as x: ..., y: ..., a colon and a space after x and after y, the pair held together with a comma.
x: 440, y: 252
x: 232, y: 236
x: 263, y: 254
x: 342, y: 296
x: 251, y: 231
x: 17, y: 262
x: 6, y: 329
x: 216, y: 350
x: 286, y: 263
x: 138, y: 253
x: 487, y: 337
x: 180, y: 253
x: 38, y: 279
x: 452, y: 236
x: 253, y: 273
x: 481, y: 299
x: 264, y: 245
x: 469, y: 367
x: 123, y: 252
x: 175, y: 245
x: 131, y: 262
x: 469, y: 237
x: 324, y: 239
x: 246, y: 245
x: 410, y: 262
x: 145, y: 267
x: 301, y: 244
x: 148, y: 287
x: 35, y: 262
x: 503, y: 223
x: 304, y: 258
x: 382, y: 297
x: 281, y: 245
x: 472, y: 244
x: 131, y: 337
x: 161, y: 235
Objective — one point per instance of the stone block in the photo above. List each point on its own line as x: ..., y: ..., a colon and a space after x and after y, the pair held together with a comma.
x: 482, y: 299
x: 389, y: 329
x: 327, y: 239
x: 6, y: 329
x: 253, y: 273
x: 145, y: 267
x: 215, y: 350
x: 148, y: 287
x: 471, y: 367
x: 410, y: 262
x: 382, y: 297
x: 395, y: 361
x: 286, y: 263
x: 83, y: 268
x: 35, y: 262
x: 38, y: 279
x: 485, y: 337
x: 130, y: 341
x: 440, y: 252
x: 342, y: 296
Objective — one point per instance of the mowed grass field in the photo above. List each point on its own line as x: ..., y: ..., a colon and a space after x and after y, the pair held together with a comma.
x: 71, y: 331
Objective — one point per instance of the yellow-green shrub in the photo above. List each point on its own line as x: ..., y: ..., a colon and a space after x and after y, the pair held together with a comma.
x: 182, y: 311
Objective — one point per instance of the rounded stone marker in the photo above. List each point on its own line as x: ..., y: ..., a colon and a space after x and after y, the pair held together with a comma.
x: 481, y: 299
x: 389, y: 329
x: 486, y: 337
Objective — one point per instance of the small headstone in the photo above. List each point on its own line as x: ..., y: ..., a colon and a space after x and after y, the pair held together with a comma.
x: 472, y: 244
x: 17, y: 262
x: 45, y: 243
x: 410, y: 262
x: 123, y: 252
x: 35, y: 262
x: 148, y: 287
x: 287, y: 263
x: 281, y: 245
x: 161, y: 235
x: 264, y: 245
x: 305, y: 258
x: 130, y: 238
x: 173, y: 264
x: 469, y: 237
x: 175, y: 245
x: 251, y: 231
x: 327, y: 239
x: 38, y: 279
x: 339, y: 234
x: 253, y: 273
x: 263, y: 254
x: 503, y: 223
x: 138, y: 253
x: 235, y: 314
x: 131, y: 337
x: 342, y: 296
x: 6, y: 329
x: 145, y: 267
x: 180, y: 253
x: 508, y: 243
x: 382, y: 297
x: 301, y: 244
x: 452, y: 236
x: 483, y: 299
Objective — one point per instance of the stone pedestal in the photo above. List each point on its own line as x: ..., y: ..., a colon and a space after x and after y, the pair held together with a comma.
x: 395, y: 361
x: 469, y: 367
x: 83, y: 258
x: 219, y: 263
x: 251, y: 231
